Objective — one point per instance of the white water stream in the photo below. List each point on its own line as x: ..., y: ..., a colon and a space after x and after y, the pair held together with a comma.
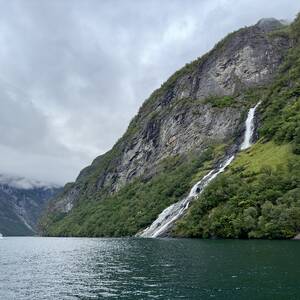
x: 163, y: 223
x: 249, y: 128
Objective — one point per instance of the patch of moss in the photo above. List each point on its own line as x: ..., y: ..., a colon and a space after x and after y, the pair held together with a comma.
x: 220, y: 102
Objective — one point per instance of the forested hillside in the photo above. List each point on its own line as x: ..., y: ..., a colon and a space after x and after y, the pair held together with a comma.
x: 183, y: 130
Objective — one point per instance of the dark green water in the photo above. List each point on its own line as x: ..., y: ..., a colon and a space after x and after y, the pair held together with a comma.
x: 58, y: 268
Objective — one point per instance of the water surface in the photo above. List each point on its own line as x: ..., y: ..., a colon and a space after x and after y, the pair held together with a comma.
x: 59, y: 268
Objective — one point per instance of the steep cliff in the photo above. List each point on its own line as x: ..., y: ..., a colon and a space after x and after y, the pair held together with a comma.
x: 181, y: 130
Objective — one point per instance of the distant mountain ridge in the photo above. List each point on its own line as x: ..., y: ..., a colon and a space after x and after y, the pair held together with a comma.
x: 21, y: 203
x: 25, y: 183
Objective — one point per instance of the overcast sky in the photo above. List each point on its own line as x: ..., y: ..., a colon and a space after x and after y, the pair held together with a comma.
x: 73, y: 73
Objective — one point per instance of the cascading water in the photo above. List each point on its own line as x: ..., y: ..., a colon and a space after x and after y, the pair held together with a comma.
x: 249, y: 128
x: 162, y: 225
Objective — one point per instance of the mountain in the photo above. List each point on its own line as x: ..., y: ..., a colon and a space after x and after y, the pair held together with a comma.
x: 21, y: 203
x: 184, y: 130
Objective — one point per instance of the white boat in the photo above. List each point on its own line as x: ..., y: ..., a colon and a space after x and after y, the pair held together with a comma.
x: 1, y: 236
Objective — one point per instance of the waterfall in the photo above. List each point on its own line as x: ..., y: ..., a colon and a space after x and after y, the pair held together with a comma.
x: 249, y: 128
x: 162, y: 225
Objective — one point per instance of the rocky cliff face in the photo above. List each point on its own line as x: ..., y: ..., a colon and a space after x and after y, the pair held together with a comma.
x: 202, y: 104
x: 21, y: 203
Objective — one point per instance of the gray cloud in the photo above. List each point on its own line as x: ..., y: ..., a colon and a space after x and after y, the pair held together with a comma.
x: 73, y: 73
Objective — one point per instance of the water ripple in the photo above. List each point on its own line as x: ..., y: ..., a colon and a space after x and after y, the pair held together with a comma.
x: 53, y: 268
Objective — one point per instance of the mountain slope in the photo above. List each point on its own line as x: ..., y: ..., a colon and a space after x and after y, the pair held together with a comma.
x: 259, y: 195
x: 183, y: 129
x: 21, y: 204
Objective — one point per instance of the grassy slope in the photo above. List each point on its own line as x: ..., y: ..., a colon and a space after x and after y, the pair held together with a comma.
x: 263, y: 154
x: 259, y: 195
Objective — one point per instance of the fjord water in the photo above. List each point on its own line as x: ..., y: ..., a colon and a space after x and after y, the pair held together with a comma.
x: 83, y: 268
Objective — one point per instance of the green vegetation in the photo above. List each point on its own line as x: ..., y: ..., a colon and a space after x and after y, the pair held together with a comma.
x: 262, y: 154
x: 284, y: 31
x: 220, y: 102
x: 259, y: 195
x: 137, y: 204
x: 281, y: 108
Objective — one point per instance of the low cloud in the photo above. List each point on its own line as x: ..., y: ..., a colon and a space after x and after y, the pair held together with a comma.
x: 73, y: 73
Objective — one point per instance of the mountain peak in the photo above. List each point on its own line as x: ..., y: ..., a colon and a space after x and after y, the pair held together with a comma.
x: 269, y: 24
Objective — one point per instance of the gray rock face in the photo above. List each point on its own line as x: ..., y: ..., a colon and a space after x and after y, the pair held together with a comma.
x: 246, y: 60
x: 182, y: 130
x: 177, y: 118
